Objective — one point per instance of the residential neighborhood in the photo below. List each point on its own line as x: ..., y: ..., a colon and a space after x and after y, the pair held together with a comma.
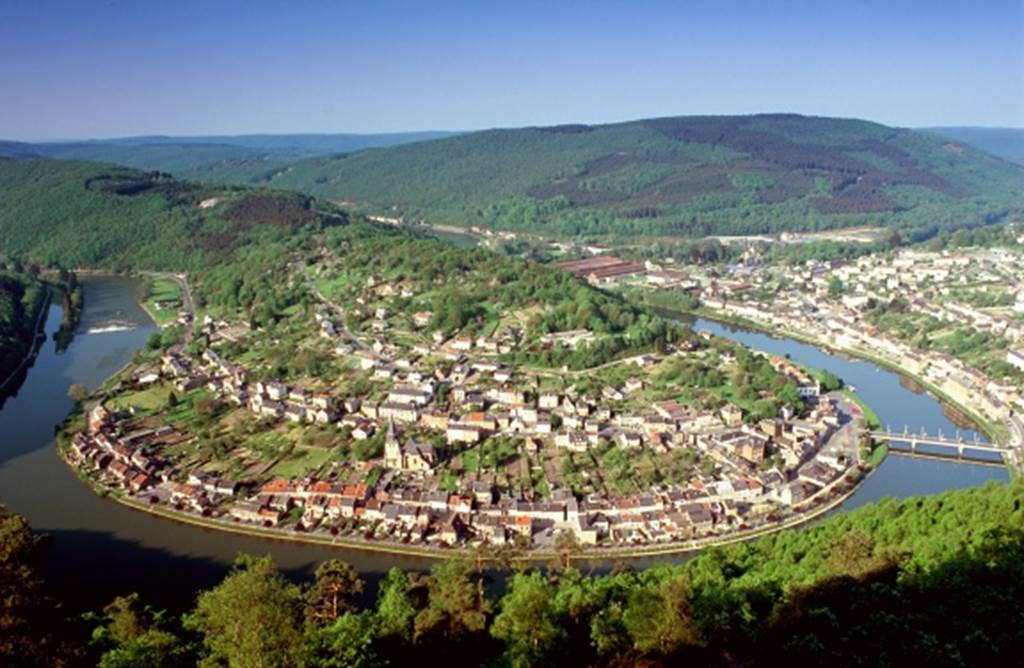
x: 456, y: 448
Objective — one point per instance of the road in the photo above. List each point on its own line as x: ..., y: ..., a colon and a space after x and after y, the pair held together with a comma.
x: 186, y: 302
x: 339, y: 312
x: 847, y: 438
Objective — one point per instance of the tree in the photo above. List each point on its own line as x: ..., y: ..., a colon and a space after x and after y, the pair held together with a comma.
x: 567, y: 546
x: 855, y: 554
x: 252, y: 619
x: 659, y: 619
x: 348, y: 642
x: 528, y: 622
x: 335, y: 583
x: 29, y: 619
x: 127, y: 618
x: 153, y: 649
x: 395, y: 609
x: 835, y: 286
x: 78, y: 392
x: 154, y: 341
x: 454, y: 609
x: 829, y: 381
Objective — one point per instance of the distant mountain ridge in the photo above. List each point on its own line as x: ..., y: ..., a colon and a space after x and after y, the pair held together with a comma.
x: 1006, y: 143
x: 190, y: 156
x: 679, y: 176
x: 689, y: 176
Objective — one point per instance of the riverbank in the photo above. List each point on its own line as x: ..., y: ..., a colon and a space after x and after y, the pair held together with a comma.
x: 437, y: 552
x: 141, y: 502
x: 97, y: 535
x: 995, y: 433
x: 38, y: 338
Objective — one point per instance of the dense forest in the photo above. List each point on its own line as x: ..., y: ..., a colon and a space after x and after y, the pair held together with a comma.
x: 936, y: 580
x: 685, y: 176
x: 21, y: 298
x: 80, y: 214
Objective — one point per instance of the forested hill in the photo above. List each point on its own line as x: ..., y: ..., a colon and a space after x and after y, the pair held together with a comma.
x: 240, y: 244
x: 80, y: 214
x: 691, y: 176
x: 1005, y: 142
x: 191, y: 157
x: 21, y: 298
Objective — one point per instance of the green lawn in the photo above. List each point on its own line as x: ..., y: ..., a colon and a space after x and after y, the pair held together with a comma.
x: 150, y: 399
x: 300, y: 462
x: 164, y: 290
x: 470, y: 461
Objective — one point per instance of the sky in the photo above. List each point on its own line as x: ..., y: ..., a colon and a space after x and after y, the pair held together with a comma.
x: 85, y: 69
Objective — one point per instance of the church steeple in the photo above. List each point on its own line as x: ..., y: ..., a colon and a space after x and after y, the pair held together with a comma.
x: 392, y: 449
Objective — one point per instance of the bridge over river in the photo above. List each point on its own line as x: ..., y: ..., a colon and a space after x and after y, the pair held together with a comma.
x: 940, y: 447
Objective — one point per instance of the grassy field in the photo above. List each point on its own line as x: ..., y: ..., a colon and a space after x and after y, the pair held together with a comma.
x: 164, y: 290
x: 302, y: 460
x: 150, y: 399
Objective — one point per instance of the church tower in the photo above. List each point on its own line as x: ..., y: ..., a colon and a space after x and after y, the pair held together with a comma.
x: 392, y: 449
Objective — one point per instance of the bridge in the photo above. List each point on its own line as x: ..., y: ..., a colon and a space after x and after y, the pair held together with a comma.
x: 963, y: 448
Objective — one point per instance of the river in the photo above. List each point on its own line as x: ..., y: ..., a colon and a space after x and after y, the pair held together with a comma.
x: 101, y: 549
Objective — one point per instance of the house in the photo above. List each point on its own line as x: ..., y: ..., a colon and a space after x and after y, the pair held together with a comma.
x: 1015, y: 357
x: 246, y: 511
x: 629, y: 439
x: 549, y: 399
x: 271, y: 516
x: 573, y: 441
x: 321, y: 415
x: 435, y: 419
x: 482, y: 492
x: 490, y: 529
x: 463, y: 433
x: 363, y: 430
x: 276, y: 391
x: 295, y: 412
x: 453, y: 528
x: 139, y: 482
x: 402, y: 412
x: 732, y: 415
x: 418, y: 457
x: 409, y: 395
x: 98, y: 417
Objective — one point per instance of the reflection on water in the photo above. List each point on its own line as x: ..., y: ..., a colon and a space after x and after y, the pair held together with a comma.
x: 111, y: 306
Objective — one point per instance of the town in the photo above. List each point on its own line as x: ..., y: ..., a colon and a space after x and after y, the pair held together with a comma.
x: 434, y: 441
x: 952, y: 320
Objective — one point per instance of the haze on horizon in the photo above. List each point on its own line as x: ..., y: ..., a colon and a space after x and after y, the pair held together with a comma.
x: 89, y: 69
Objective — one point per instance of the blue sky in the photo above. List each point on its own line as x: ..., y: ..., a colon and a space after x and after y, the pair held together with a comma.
x: 79, y: 68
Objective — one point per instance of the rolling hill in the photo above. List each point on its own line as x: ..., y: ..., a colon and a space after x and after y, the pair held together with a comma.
x: 82, y: 214
x: 191, y: 157
x: 687, y: 176
x: 1006, y: 143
